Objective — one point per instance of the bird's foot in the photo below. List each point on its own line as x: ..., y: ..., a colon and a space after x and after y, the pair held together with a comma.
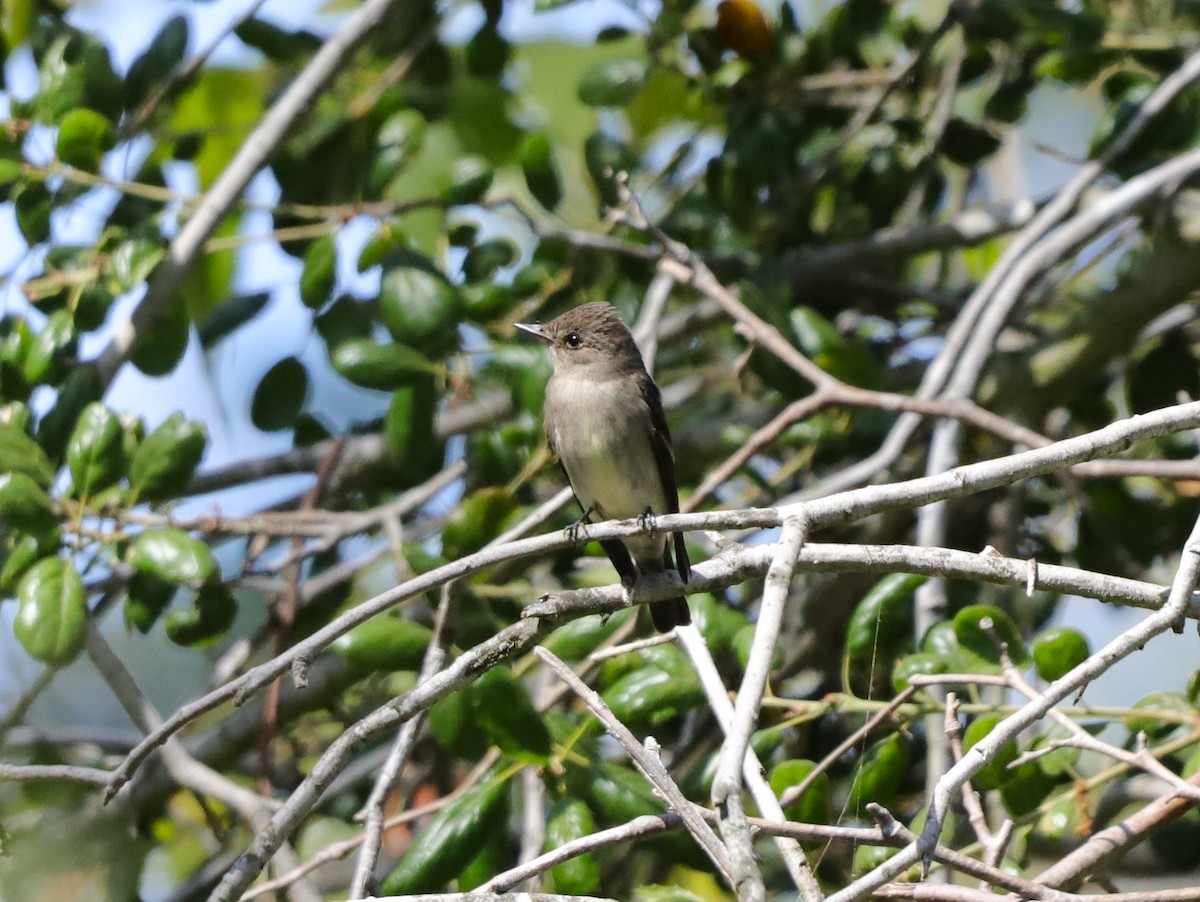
x: 647, y: 521
x: 577, y: 530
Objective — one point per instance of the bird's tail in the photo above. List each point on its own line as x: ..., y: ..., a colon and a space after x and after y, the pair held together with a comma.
x: 674, y: 611
x: 670, y: 613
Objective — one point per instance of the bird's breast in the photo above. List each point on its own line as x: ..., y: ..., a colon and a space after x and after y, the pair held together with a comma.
x: 602, y: 433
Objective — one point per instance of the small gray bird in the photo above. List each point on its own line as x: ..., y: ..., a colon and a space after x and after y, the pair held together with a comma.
x: 604, y: 419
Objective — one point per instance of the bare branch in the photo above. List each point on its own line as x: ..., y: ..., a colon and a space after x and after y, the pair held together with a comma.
x: 726, y: 788
x: 647, y: 762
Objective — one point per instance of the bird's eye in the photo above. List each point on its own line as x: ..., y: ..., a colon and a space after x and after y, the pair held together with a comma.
x: 573, y: 340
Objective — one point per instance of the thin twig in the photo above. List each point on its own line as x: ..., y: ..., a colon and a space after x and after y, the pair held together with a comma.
x: 647, y: 762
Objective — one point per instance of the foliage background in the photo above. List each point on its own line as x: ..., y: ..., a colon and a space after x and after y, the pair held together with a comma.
x: 853, y: 172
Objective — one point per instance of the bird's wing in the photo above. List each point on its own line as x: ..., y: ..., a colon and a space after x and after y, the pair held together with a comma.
x: 660, y: 439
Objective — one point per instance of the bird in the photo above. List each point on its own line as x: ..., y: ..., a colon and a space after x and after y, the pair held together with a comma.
x: 604, y: 420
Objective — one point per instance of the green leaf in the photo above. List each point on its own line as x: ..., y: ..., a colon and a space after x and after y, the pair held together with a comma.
x: 166, y: 460
x: 75, y: 70
x: 320, y: 272
x: 453, y: 724
x: 486, y: 257
x: 743, y: 639
x: 223, y: 104
x: 509, y: 717
x: 492, y: 858
x: 208, y: 618
x: 280, y: 395
x: 384, y: 367
x: 230, y: 316
x: 994, y: 773
x: 980, y: 645
x: 17, y: 22
x: 487, y: 52
x: 528, y: 280
x: 173, y: 556
x: 619, y: 795
x: 487, y: 302
x: 399, y: 142
x: 880, y: 629
x: 158, y: 348
x: 604, y: 157
x: 387, y: 240
x: 22, y: 552
x: 276, y: 43
x: 166, y: 51
x: 344, y: 320
x: 1147, y: 721
x: 879, y: 775
x: 1062, y: 761
x: 46, y: 358
x: 450, y: 840
x: 540, y: 171
x: 132, y: 262
x: 839, y: 355
x: 967, y: 143
x: 21, y: 454
x: 940, y: 640
x: 867, y: 858
x: 11, y: 171
x: 92, y: 308
x: 417, y: 304
x: 148, y: 598
x: 81, y: 388
x: 476, y: 521
x: 921, y: 663
x: 668, y: 99
x: 652, y: 695
x: 1025, y: 788
x: 94, y: 451
x: 577, y: 639
x: 25, y: 506
x: 813, y: 806
x: 1058, y: 650
x: 409, y: 428
x: 522, y: 369
x: 470, y: 179
x: 612, y: 82
x: 84, y: 136
x: 717, y: 621
x: 384, y: 644
x: 1061, y: 822
x: 16, y: 413
x: 578, y: 876
x: 51, y: 620
x: 33, y: 205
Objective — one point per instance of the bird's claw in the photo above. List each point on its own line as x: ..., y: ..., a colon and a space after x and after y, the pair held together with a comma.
x: 647, y: 521
x: 576, y: 530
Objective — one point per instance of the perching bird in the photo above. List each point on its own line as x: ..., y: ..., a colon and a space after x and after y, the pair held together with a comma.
x: 604, y: 419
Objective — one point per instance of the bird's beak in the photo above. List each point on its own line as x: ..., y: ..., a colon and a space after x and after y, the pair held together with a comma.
x: 536, y: 330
